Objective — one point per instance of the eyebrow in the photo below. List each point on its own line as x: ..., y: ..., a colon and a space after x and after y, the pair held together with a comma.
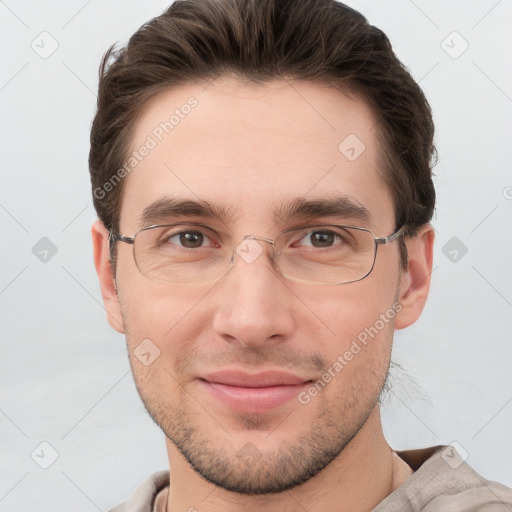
x: 341, y: 206
x: 168, y: 207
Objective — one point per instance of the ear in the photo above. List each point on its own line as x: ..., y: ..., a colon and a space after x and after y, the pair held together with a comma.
x: 415, y: 282
x: 104, y: 270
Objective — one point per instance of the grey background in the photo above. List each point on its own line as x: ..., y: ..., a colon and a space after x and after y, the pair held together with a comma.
x: 65, y: 376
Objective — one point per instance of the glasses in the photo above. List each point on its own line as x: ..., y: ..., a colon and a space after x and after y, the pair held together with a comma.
x: 319, y: 254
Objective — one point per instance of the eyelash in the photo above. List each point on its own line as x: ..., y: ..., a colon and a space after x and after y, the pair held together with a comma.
x: 174, y: 235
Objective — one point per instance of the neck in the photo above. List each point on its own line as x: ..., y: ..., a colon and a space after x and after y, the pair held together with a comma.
x: 362, y: 475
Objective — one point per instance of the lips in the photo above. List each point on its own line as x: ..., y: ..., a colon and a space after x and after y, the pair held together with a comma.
x: 253, y: 393
x: 257, y: 380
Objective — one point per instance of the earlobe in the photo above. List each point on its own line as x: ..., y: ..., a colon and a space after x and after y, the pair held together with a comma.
x: 106, y: 277
x: 415, y: 282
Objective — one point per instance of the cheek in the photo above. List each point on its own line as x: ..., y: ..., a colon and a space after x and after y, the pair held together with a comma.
x: 346, y: 311
x: 161, y: 324
x: 359, y: 358
x: 356, y: 331
x: 169, y: 316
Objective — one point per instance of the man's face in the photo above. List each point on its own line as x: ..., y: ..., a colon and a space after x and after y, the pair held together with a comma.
x: 250, y: 150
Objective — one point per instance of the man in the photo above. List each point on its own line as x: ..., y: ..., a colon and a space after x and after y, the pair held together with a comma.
x: 261, y: 170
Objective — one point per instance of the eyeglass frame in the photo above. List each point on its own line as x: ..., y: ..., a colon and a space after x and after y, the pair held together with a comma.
x: 378, y: 240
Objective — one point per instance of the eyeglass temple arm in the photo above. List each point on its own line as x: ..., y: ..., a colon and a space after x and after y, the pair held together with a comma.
x: 113, y: 238
x: 390, y: 238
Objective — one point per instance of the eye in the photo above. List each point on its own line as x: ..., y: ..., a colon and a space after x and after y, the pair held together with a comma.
x: 321, y: 239
x: 191, y: 239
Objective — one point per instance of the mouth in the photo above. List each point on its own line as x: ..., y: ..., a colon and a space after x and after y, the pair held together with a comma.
x: 253, y: 393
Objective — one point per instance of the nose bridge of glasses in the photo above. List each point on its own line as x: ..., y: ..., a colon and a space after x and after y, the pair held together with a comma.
x: 249, y: 248
x: 261, y: 238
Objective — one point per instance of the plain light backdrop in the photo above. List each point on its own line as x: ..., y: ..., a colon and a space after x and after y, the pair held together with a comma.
x: 65, y: 376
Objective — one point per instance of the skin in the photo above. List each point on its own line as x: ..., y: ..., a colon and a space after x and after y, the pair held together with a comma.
x: 251, y: 148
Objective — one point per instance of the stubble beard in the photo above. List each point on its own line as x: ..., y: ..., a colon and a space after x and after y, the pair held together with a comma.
x: 252, y: 469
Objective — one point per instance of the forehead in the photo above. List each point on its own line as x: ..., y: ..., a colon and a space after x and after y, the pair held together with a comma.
x: 249, y: 148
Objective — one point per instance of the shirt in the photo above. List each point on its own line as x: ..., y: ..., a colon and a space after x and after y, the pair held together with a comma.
x: 441, y: 482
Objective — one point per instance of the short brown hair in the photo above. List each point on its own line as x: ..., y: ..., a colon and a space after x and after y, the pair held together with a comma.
x: 259, y: 40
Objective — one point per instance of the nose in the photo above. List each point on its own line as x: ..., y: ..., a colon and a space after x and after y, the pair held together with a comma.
x: 254, y: 303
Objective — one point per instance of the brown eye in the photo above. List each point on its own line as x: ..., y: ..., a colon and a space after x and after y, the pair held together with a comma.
x: 320, y: 239
x: 187, y: 239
